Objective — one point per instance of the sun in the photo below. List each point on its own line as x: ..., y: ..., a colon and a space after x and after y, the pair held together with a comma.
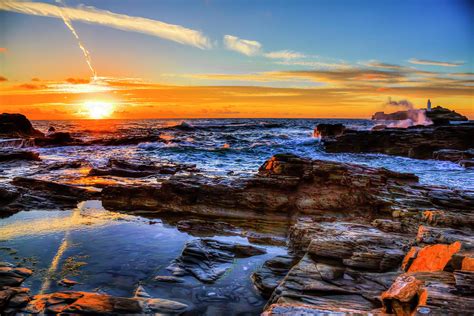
x: 98, y: 109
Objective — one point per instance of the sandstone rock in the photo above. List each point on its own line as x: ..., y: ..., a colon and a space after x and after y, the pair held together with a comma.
x: 354, y: 245
x: 55, y: 191
x: 331, y: 287
x: 455, y: 219
x: 13, y: 298
x: 267, y: 278
x: 426, y: 293
x: 16, y: 125
x: 208, y: 259
x: 92, y: 303
x: 403, y: 295
x: 67, y: 283
x: 433, y: 258
x: 307, y: 310
x: 11, y: 275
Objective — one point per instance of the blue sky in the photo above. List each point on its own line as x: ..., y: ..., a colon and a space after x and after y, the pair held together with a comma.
x: 329, y: 31
x: 363, y: 50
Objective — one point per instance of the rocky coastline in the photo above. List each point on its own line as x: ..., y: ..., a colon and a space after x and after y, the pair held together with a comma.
x: 360, y: 239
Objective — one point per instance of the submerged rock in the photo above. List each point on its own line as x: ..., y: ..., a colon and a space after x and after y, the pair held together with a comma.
x: 70, y: 302
x: 208, y: 259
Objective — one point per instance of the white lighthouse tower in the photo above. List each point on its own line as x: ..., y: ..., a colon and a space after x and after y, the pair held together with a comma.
x: 428, y: 106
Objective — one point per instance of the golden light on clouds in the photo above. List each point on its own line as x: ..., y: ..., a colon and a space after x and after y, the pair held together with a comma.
x: 98, y: 109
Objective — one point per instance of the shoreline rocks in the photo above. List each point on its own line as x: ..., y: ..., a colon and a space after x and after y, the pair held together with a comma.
x: 17, y: 125
x: 415, y: 142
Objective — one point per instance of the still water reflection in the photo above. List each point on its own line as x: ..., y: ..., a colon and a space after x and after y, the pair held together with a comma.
x: 112, y: 253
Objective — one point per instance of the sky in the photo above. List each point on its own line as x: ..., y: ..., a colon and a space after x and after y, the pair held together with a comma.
x: 188, y: 59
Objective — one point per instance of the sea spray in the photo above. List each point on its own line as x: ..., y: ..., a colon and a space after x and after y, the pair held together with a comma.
x: 86, y: 53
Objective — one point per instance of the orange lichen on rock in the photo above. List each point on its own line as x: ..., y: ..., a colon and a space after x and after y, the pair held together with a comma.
x: 434, y: 257
x: 96, y: 303
x: 403, y: 295
x: 467, y: 264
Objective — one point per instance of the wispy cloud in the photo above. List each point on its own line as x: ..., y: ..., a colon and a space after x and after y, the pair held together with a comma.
x: 377, y: 64
x: 434, y: 62
x: 2, y: 79
x: 284, y: 54
x: 254, y: 48
x: 314, y: 64
x: 243, y: 46
x: 124, y: 22
x: 3, y: 49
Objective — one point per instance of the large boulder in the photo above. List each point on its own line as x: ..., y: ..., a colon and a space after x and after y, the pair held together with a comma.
x: 17, y: 125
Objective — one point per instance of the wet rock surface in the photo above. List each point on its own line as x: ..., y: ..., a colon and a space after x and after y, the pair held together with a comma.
x: 361, y: 239
x: 267, y: 278
x: 414, y: 142
x: 9, y: 155
x: 122, y: 168
x: 208, y: 259
x: 440, y: 115
x: 18, y: 300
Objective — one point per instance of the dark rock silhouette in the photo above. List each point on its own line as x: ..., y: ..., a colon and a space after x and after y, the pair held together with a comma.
x: 17, y: 125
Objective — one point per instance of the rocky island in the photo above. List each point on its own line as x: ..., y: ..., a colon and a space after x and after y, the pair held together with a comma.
x: 441, y: 140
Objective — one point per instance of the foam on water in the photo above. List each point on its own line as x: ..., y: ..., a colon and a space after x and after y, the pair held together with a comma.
x: 239, y: 145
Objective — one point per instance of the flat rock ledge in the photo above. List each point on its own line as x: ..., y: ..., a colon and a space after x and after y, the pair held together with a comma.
x: 361, y: 240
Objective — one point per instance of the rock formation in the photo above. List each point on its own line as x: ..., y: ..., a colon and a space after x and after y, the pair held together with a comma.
x: 440, y: 115
x: 16, y: 300
x: 437, y: 115
x: 415, y: 142
x: 361, y: 239
x: 16, y: 125
x: 208, y: 259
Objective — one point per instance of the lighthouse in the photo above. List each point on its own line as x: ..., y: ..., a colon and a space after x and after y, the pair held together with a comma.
x: 428, y: 106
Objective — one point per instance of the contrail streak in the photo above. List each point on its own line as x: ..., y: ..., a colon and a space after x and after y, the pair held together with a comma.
x: 86, y: 53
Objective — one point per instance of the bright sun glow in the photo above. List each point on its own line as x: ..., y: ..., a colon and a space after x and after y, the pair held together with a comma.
x: 98, y: 109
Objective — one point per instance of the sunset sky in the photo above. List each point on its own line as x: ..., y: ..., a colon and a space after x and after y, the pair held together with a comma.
x: 206, y: 58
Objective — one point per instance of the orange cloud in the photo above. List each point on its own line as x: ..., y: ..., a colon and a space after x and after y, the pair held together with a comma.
x: 342, y: 94
x: 77, y: 80
x: 3, y: 49
x: 2, y: 79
